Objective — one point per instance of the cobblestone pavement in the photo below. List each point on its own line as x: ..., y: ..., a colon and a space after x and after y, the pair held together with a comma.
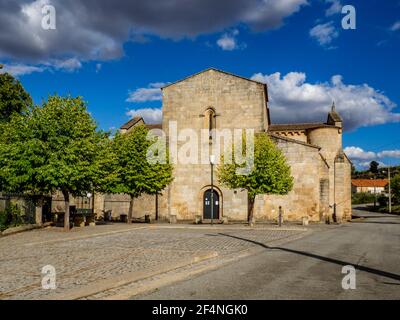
x: 87, y: 255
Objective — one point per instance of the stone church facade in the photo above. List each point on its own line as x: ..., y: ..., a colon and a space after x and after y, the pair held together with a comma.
x: 321, y: 170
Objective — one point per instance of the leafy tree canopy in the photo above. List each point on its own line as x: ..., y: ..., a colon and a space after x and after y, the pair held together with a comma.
x: 395, y: 185
x: 53, y: 147
x: 132, y: 173
x: 269, y: 175
x: 13, y: 97
x: 373, y: 167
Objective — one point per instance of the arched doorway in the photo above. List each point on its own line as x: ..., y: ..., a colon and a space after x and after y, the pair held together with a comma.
x: 207, y: 204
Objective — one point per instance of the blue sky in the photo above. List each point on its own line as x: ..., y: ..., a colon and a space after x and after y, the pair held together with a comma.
x: 131, y: 55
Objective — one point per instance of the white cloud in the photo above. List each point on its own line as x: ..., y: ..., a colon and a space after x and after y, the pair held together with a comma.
x: 151, y: 93
x: 389, y: 154
x: 356, y: 153
x: 150, y: 115
x: 292, y: 99
x: 324, y: 33
x: 362, y: 158
x: 335, y: 7
x: 68, y: 65
x: 20, y: 69
x: 395, y: 26
x: 229, y: 42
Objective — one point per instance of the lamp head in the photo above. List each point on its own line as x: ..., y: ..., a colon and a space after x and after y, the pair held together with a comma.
x: 212, y: 159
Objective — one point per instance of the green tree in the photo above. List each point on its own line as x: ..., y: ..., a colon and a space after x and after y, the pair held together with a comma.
x: 54, y: 147
x: 269, y: 175
x: 128, y: 169
x: 13, y: 97
x: 373, y: 167
x: 395, y: 186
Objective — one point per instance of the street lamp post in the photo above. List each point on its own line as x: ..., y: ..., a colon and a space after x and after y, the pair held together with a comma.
x: 390, y: 190
x: 374, y: 182
x: 212, y: 162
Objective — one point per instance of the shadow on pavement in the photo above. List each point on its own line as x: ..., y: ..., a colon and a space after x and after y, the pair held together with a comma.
x: 376, y: 222
x: 322, y: 258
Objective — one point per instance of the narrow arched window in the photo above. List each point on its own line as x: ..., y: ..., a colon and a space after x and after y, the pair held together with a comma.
x: 210, y: 123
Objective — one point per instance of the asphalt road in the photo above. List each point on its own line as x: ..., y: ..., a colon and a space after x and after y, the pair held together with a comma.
x: 308, y: 268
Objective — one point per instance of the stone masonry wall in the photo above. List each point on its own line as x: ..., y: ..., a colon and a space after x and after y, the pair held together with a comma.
x: 304, y: 199
x: 238, y: 104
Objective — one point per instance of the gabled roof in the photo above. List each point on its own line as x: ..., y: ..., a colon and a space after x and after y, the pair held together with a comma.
x: 214, y: 69
x: 131, y: 123
x: 370, y: 182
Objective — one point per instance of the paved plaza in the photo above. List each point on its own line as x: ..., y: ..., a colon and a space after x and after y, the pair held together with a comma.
x: 91, y: 260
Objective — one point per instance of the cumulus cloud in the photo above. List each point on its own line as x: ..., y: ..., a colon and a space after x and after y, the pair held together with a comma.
x: 389, y: 154
x: 324, y: 33
x: 97, y: 29
x: 292, y: 99
x: 356, y: 153
x: 151, y: 93
x: 363, y: 158
x: 150, y: 115
x: 229, y: 42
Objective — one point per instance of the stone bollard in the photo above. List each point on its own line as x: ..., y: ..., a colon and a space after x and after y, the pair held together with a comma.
x: 280, y: 216
x: 79, y: 221
x: 329, y: 218
x: 197, y: 219
x: 90, y: 221
x: 38, y: 215
x: 172, y: 219
x: 147, y: 218
x: 225, y: 220
x: 305, y: 220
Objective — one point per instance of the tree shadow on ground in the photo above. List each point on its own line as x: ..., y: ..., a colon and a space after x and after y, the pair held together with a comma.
x: 322, y: 258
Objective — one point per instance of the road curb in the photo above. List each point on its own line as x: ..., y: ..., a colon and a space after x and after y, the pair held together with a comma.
x: 230, y: 228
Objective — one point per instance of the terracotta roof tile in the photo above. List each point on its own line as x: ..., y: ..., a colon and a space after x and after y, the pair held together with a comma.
x: 369, y: 182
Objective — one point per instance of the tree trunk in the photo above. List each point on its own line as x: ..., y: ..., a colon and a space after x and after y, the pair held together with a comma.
x: 250, y: 209
x: 66, y: 215
x: 130, y: 213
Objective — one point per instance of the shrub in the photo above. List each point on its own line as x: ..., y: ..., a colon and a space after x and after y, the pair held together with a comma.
x: 11, y: 217
x: 362, y: 198
x: 383, y: 201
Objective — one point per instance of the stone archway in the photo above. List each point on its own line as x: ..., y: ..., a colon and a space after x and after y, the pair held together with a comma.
x: 202, y: 199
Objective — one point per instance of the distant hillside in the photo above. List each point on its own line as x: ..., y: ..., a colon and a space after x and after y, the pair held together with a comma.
x: 382, y: 173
